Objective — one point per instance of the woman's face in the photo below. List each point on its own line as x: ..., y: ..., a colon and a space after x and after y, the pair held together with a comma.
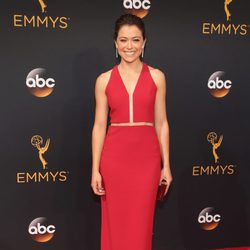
x: 129, y: 42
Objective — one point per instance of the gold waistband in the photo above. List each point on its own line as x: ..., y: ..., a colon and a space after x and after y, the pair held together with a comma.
x: 131, y: 123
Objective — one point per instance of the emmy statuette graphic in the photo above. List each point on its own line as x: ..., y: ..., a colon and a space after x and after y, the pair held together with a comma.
x: 226, y: 4
x: 37, y: 141
x: 212, y: 137
x: 43, y: 5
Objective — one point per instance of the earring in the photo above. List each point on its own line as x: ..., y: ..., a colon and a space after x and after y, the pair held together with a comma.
x: 142, y: 53
x: 116, y: 53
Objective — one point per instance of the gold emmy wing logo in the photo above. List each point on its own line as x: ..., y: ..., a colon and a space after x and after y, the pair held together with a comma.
x: 43, y: 6
x: 37, y: 142
x: 39, y: 21
x: 226, y: 4
x: 228, y: 28
x: 212, y: 137
x: 218, y: 168
x: 41, y: 175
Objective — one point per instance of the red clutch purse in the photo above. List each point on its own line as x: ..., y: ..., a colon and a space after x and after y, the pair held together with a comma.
x: 161, y: 190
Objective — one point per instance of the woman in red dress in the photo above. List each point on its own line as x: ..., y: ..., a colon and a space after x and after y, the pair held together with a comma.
x: 126, y: 158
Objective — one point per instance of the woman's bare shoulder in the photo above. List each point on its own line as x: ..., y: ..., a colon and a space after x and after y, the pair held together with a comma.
x: 157, y: 72
x: 104, y: 76
x: 103, y: 79
x: 157, y: 75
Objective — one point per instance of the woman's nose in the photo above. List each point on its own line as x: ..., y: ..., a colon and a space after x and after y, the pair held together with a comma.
x: 129, y: 45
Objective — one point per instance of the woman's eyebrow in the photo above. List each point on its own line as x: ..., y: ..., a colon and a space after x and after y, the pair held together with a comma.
x: 127, y: 37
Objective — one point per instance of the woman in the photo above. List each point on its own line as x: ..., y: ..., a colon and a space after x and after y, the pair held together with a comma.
x: 129, y: 155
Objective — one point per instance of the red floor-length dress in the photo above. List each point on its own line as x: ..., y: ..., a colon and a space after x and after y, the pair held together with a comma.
x: 130, y: 166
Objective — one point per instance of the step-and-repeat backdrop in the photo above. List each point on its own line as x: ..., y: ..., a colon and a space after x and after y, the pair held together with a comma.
x: 51, y: 54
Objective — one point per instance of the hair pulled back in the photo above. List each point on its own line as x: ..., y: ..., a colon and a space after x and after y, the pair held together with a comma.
x: 129, y: 19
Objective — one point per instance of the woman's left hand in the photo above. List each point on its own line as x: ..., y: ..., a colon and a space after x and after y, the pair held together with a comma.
x: 166, y: 175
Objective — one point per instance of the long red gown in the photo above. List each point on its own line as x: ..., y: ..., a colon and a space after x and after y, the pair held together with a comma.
x: 130, y: 166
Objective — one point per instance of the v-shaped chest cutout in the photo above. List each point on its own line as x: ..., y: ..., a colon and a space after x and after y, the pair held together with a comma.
x: 130, y: 95
x: 137, y: 82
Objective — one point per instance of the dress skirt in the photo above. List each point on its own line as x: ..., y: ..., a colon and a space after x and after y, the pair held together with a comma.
x: 130, y: 166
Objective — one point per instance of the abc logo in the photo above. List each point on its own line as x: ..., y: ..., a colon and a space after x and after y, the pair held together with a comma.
x: 208, y: 219
x: 38, y: 84
x: 218, y: 87
x: 137, y: 7
x: 40, y: 231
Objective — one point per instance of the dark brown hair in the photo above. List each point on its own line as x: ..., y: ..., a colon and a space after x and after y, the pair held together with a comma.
x: 129, y: 19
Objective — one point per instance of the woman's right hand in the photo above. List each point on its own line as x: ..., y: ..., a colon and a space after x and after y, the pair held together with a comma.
x: 96, y: 183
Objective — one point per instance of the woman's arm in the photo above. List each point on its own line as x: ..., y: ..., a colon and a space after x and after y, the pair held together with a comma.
x: 99, y: 131
x: 161, y: 123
